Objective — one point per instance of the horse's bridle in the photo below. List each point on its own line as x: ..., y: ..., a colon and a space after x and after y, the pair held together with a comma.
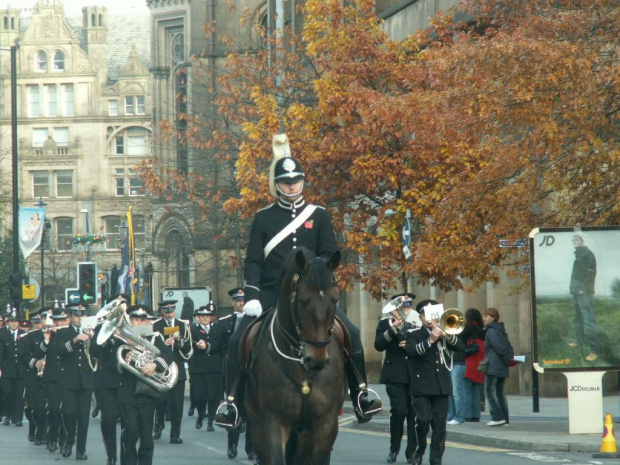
x: 300, y: 341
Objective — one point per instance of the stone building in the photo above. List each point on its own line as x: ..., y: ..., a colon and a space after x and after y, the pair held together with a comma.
x: 84, y: 121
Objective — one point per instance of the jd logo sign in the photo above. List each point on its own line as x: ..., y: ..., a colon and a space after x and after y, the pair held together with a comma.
x: 547, y: 241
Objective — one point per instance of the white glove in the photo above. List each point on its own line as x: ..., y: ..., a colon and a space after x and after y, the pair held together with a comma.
x: 253, y: 308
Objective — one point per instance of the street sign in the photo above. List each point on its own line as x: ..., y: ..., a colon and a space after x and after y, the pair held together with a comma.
x: 28, y: 292
x: 407, y: 239
x: 72, y: 296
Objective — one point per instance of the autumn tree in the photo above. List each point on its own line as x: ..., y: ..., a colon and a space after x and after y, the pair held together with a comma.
x: 483, y: 129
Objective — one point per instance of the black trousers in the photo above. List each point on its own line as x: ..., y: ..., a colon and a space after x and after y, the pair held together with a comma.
x: 137, y: 425
x: 176, y: 395
x: 401, y: 410
x: 36, y: 396
x: 76, y: 414
x: 108, y: 406
x: 55, y: 430
x: 431, y: 412
x: 13, y: 398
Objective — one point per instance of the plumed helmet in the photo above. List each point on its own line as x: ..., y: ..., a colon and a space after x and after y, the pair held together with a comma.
x: 284, y: 168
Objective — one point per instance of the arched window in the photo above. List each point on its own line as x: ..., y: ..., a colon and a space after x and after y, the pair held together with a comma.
x: 40, y: 61
x: 6, y: 22
x: 12, y: 23
x: 59, y: 61
x: 100, y: 20
x: 176, y: 260
x: 93, y: 19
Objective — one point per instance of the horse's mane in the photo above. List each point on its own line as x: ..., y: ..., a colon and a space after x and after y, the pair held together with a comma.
x: 318, y: 277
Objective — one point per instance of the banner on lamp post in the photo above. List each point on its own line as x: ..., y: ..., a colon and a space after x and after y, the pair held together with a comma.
x: 31, y: 221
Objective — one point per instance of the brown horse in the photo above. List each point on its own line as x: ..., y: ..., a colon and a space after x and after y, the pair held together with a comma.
x: 295, y: 387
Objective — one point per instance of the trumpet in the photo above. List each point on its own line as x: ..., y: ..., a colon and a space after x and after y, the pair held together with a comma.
x: 452, y: 321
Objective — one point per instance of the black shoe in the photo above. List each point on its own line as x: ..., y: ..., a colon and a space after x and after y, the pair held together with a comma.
x: 176, y: 441
x: 391, y: 457
x: 95, y: 411
x: 19, y: 423
x: 81, y: 456
x: 168, y: 417
x: 67, y: 451
x: 199, y: 423
x: 190, y: 412
x: 210, y: 427
x: 52, y: 446
x: 6, y: 421
x: 37, y: 442
x: 251, y: 455
x: 416, y: 459
x: 232, y: 452
x: 256, y: 461
x: 157, y: 431
x: 111, y: 461
x: 242, y: 426
x: 30, y: 437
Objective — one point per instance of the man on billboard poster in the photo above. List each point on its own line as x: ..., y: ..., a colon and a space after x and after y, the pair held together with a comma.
x: 582, y: 290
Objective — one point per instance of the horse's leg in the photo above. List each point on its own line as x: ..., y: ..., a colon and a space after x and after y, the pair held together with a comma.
x: 314, y: 445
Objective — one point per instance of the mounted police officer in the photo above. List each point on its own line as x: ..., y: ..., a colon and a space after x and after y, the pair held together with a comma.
x: 289, y: 223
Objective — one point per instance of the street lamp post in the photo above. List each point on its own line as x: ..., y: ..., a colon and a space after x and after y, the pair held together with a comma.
x: 46, y: 226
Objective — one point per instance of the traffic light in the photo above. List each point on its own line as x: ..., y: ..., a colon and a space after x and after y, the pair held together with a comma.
x: 15, y: 285
x: 87, y: 282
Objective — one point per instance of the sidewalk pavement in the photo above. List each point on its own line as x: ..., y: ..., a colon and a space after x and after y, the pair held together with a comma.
x: 543, y: 431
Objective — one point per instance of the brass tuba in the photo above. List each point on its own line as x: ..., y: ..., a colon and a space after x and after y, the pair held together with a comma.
x: 142, y: 351
x: 452, y: 321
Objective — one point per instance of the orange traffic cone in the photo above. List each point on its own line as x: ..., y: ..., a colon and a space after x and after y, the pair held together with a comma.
x: 608, y: 444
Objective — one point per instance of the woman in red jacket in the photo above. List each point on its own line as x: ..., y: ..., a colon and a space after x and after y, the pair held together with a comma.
x: 473, y: 335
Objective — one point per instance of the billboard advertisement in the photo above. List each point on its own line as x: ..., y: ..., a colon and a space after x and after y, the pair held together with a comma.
x: 575, y: 275
x: 188, y: 299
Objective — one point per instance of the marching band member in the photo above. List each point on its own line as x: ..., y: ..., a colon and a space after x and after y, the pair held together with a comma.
x: 395, y: 374
x: 51, y: 375
x: 107, y: 380
x: 138, y: 400
x: 76, y: 381
x: 12, y: 381
x: 32, y: 351
x: 220, y: 336
x: 178, y: 337
x: 205, y: 366
x: 427, y: 350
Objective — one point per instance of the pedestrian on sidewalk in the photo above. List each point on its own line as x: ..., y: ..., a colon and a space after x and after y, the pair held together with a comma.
x: 473, y: 336
x: 499, y: 352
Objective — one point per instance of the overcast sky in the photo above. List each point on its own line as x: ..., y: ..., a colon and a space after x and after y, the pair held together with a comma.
x: 74, y: 7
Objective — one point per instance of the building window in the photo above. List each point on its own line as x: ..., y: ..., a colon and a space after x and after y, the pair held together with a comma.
x: 64, y: 233
x: 40, y: 184
x: 112, y: 232
x: 43, y: 182
x: 137, y: 145
x: 133, y: 141
x: 40, y: 62
x: 68, y: 97
x: 64, y: 183
x: 119, y: 145
x: 51, y: 97
x: 61, y: 137
x: 34, y: 101
x: 39, y: 136
x: 139, y: 232
x: 135, y: 105
x: 113, y: 107
x: 128, y: 183
x: 59, y: 61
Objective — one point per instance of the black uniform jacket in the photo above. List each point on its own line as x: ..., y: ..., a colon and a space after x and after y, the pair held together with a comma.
x: 207, y: 360
x: 52, y: 361
x: 107, y: 375
x: 128, y: 381
x: 262, y: 275
x: 430, y: 376
x: 395, y: 367
x: 75, y: 370
x: 9, y: 358
x: 31, y: 348
x: 182, y: 348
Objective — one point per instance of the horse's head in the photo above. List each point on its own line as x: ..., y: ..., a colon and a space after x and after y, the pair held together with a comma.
x: 310, y: 295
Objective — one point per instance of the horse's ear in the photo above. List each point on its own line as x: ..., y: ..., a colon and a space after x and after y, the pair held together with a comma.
x: 333, y: 262
x: 300, y: 260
